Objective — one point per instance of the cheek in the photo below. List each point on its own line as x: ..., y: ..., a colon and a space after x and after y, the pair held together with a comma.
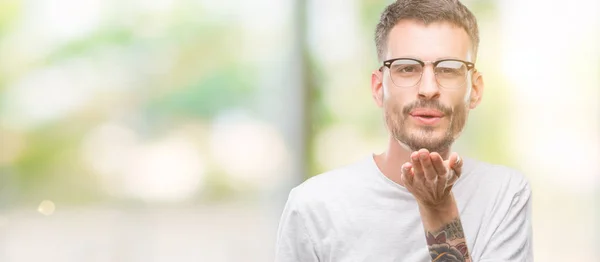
x: 469, y: 89
x: 467, y: 96
x: 392, y: 91
x: 386, y: 88
x: 460, y: 99
x: 393, y: 94
x: 461, y: 109
x: 394, y: 102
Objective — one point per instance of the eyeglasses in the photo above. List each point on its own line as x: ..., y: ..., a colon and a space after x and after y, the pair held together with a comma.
x: 407, y: 72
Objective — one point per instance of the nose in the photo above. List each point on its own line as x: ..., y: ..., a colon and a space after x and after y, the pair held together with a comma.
x: 428, y: 87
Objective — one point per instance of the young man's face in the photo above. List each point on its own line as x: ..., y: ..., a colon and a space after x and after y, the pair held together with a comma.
x: 426, y: 115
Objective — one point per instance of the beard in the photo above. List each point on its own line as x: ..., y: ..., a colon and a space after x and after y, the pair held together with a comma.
x: 428, y: 137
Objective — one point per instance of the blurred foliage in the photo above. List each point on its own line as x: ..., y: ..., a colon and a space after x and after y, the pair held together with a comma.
x: 86, y: 46
x: 51, y: 165
x: 209, y: 94
x: 204, y: 78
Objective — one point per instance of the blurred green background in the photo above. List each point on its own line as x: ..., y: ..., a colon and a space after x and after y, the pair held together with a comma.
x: 172, y: 130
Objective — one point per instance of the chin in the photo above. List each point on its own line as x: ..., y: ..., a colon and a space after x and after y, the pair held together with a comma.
x: 433, y: 141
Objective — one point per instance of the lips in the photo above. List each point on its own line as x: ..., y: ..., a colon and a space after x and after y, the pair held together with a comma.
x: 426, y: 116
x: 426, y: 113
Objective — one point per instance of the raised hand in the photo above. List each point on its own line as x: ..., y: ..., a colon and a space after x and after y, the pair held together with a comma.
x: 430, y: 178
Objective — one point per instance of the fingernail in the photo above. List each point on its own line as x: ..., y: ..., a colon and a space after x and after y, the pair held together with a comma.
x: 414, y: 156
x: 423, y: 155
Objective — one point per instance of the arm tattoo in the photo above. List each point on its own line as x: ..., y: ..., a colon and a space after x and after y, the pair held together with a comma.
x: 448, y: 244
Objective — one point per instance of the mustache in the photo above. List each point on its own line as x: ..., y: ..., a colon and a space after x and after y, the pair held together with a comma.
x: 433, y: 104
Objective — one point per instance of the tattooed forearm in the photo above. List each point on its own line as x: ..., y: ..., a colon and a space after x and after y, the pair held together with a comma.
x: 448, y: 244
x: 453, y: 230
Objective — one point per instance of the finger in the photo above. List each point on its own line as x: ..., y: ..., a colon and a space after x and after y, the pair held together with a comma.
x: 451, y: 179
x: 455, y: 163
x: 440, y: 168
x: 438, y: 163
x: 416, y: 167
x: 407, y: 175
x: 450, y: 175
x: 428, y: 169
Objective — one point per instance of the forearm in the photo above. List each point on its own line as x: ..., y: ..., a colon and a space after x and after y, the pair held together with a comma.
x: 444, y: 233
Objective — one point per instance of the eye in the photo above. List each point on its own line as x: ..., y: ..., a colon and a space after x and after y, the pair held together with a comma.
x: 450, y: 68
x: 407, y: 69
x: 446, y: 70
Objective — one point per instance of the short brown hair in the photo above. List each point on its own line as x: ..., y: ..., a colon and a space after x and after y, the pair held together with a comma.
x: 426, y: 11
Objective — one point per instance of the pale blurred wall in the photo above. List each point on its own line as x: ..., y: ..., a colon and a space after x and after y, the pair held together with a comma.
x: 551, y: 61
x: 123, y: 115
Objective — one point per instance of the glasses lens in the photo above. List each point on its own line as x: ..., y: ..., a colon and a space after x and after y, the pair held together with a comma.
x: 405, y: 72
x: 451, y: 74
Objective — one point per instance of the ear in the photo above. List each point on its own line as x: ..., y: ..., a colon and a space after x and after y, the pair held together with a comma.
x: 476, y: 90
x: 377, y: 87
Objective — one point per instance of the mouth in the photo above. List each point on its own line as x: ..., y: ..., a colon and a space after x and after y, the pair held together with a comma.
x: 426, y: 113
x: 426, y: 116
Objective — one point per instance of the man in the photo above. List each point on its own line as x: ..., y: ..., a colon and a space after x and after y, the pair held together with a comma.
x: 417, y: 201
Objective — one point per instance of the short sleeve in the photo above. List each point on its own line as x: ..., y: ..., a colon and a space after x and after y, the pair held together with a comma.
x: 293, y: 241
x: 512, y: 240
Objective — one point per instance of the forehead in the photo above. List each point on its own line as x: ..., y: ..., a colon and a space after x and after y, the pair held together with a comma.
x: 437, y: 40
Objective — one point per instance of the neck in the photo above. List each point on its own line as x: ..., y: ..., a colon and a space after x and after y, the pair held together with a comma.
x: 390, y: 161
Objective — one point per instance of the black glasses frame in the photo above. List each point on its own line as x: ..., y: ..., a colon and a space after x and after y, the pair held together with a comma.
x: 388, y: 63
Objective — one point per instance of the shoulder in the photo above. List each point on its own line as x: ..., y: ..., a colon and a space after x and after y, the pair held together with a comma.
x: 491, y: 191
x: 499, y: 177
x: 330, y: 185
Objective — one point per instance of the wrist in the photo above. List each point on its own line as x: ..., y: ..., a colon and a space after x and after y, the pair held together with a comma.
x: 442, y: 206
x: 438, y: 215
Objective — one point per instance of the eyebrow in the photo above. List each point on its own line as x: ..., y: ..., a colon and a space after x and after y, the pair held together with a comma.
x: 467, y: 59
x: 451, y: 57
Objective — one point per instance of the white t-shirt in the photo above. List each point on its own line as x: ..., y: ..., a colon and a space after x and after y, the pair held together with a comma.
x: 356, y: 213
